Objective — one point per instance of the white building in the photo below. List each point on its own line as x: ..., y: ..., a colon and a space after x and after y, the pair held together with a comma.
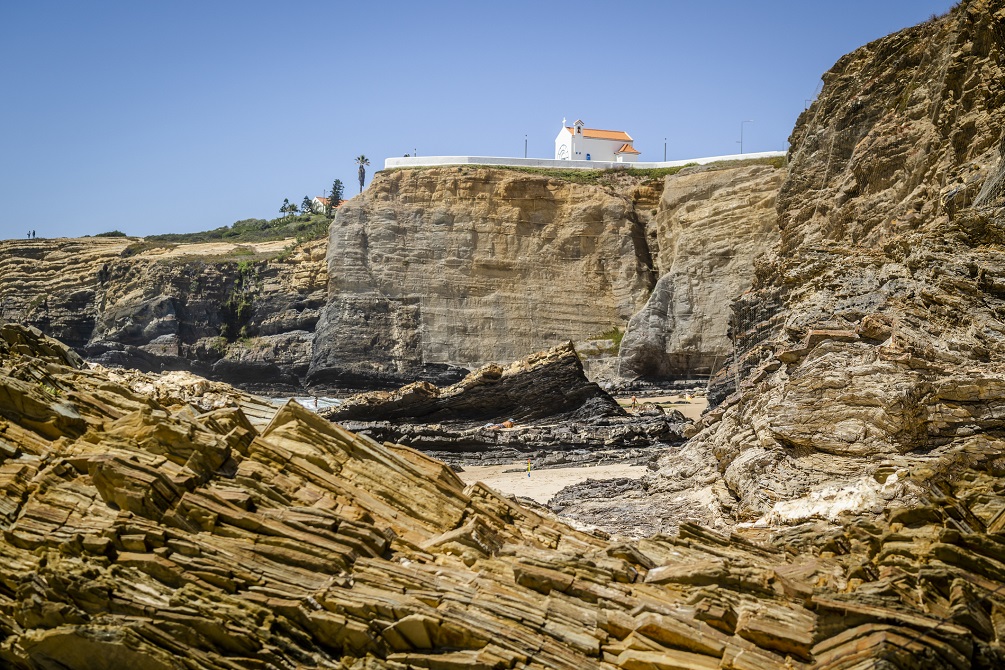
x: 319, y: 203
x: 579, y: 143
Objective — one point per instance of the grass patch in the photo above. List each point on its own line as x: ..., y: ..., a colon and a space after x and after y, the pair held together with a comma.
x: 611, y: 176
x: 144, y: 245
x: 614, y: 335
x: 304, y: 227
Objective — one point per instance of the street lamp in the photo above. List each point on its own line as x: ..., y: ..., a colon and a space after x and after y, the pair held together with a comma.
x: 524, y: 146
x: 741, y: 132
x: 664, y: 150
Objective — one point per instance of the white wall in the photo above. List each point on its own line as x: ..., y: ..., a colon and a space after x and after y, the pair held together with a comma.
x: 599, y: 150
x: 432, y: 161
x: 564, y: 139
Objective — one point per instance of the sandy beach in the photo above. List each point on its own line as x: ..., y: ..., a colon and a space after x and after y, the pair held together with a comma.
x: 542, y: 484
x: 689, y: 407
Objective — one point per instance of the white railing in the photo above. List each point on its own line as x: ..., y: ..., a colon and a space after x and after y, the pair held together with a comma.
x: 433, y: 161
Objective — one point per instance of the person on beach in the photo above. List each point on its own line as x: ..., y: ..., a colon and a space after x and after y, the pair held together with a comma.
x: 635, y: 402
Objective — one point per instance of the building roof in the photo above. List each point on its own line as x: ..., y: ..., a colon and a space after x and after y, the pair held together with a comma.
x: 597, y: 134
x: 626, y: 149
x: 324, y: 201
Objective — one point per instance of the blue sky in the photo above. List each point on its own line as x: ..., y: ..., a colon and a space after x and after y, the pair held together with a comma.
x: 154, y: 117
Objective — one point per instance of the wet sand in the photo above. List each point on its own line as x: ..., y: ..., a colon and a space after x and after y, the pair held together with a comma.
x: 542, y: 484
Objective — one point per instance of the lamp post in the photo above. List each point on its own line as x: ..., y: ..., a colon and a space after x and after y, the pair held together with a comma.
x: 664, y: 150
x: 741, y: 132
x: 524, y: 146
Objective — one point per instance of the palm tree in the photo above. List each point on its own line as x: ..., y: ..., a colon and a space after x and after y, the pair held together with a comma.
x: 362, y: 161
x: 285, y: 209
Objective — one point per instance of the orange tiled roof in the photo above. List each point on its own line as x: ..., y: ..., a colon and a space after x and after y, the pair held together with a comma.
x: 324, y: 201
x: 597, y: 134
x: 626, y: 149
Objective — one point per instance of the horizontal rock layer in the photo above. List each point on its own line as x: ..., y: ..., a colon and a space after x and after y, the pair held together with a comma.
x: 710, y: 228
x: 466, y: 266
x: 218, y: 309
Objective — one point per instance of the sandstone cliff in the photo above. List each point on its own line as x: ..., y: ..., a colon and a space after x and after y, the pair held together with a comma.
x: 872, y: 339
x: 153, y: 536
x: 244, y: 313
x: 710, y: 228
x: 428, y: 274
x: 464, y: 266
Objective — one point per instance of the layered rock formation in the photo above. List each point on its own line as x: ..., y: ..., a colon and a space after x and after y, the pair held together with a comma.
x: 464, y: 266
x: 872, y: 338
x: 710, y: 228
x: 433, y: 272
x: 144, y: 535
x: 241, y: 313
x: 543, y: 402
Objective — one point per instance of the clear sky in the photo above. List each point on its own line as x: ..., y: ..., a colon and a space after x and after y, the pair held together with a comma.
x: 174, y: 116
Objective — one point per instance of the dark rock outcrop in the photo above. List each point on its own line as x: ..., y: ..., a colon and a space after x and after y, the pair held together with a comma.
x: 243, y: 313
x: 543, y: 402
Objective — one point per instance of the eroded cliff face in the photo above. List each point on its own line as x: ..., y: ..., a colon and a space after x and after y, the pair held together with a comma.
x: 873, y: 338
x: 244, y: 313
x: 710, y: 228
x: 432, y: 272
x: 457, y: 267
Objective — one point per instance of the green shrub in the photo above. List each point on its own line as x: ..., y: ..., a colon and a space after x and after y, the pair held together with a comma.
x: 615, y: 335
x: 112, y: 233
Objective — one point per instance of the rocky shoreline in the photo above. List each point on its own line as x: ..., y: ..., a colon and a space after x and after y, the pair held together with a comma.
x: 539, y: 407
x: 140, y: 530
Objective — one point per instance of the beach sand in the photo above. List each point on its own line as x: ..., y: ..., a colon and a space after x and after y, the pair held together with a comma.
x: 542, y: 484
x: 692, y: 408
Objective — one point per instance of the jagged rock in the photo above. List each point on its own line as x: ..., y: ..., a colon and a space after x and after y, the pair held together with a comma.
x: 546, y: 385
x: 153, y: 535
x: 871, y: 338
x: 541, y: 402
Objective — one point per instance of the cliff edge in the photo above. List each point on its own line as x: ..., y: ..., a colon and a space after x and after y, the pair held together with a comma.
x: 872, y: 339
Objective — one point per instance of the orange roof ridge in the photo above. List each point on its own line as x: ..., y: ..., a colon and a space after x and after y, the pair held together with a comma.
x: 599, y: 134
x: 627, y: 149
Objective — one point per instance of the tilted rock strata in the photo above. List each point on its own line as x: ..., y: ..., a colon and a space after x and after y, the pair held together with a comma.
x: 546, y: 385
x: 465, y: 266
x: 135, y: 535
x: 873, y: 337
x: 543, y: 402
x: 245, y: 319
x: 710, y: 228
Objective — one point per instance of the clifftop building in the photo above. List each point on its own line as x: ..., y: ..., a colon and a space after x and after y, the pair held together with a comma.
x: 579, y: 143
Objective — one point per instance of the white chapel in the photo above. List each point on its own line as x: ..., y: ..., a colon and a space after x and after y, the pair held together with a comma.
x: 579, y: 143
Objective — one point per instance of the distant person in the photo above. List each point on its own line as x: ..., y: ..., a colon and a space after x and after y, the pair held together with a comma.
x: 635, y: 402
x: 29, y: 234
